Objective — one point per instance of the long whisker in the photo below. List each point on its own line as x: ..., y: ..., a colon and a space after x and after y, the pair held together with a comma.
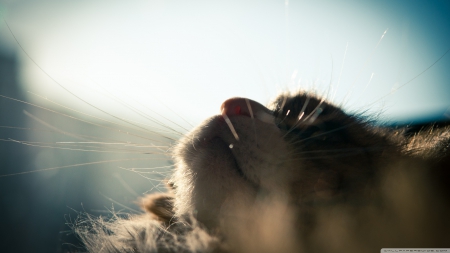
x: 48, y: 145
x: 162, y: 116
x: 369, y: 58
x: 177, y: 114
x: 51, y: 127
x: 125, y: 185
x: 121, y: 205
x: 141, y: 171
x: 62, y: 86
x: 340, y: 150
x: 143, y: 114
x: 412, y: 79
x: 128, y: 144
x: 338, y: 153
x: 324, y: 133
x: 152, y: 168
x: 74, y: 165
x: 73, y: 135
x: 151, y: 180
x: 86, y: 147
x: 85, y: 121
x: 101, y: 119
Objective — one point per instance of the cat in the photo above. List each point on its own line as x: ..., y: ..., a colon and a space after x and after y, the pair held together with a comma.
x: 336, y: 200
x: 299, y: 175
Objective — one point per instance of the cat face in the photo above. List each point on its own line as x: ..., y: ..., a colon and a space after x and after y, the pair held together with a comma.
x: 300, y: 148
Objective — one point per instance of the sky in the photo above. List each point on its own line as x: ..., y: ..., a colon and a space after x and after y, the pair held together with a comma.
x: 182, y: 59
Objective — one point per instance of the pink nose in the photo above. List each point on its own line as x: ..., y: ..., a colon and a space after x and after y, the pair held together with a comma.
x: 242, y: 106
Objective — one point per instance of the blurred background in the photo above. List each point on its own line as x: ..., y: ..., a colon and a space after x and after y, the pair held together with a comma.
x: 94, y: 93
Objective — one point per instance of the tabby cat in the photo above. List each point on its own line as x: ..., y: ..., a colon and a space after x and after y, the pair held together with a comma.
x: 299, y: 175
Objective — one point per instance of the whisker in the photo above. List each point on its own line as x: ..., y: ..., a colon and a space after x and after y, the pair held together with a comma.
x: 150, y: 179
x: 73, y: 135
x: 75, y: 165
x: 363, y: 67
x: 66, y: 89
x: 142, y: 113
x: 230, y: 125
x: 47, y: 145
x: 177, y: 114
x: 162, y: 116
x: 157, y: 177
x: 253, y: 119
x: 299, y: 117
x: 62, y: 86
x: 152, y: 168
x: 129, y: 144
x: 412, y: 79
x: 85, y: 121
x: 319, y: 106
x: 370, y: 57
x: 50, y: 126
x: 299, y: 121
x: 324, y: 133
x: 121, y: 205
x: 164, y: 173
x: 249, y: 108
x: 316, y: 114
x: 302, y: 111
x: 337, y: 153
x: 78, y: 136
x: 368, y: 83
x: 339, y: 150
x: 134, y: 123
x: 125, y: 185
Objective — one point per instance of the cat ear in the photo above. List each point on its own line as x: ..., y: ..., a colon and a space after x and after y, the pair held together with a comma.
x: 160, y: 205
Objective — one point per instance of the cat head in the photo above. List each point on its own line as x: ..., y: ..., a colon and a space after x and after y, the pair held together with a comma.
x: 299, y: 150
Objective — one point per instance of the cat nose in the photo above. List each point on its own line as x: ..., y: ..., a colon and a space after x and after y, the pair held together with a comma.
x: 246, y: 107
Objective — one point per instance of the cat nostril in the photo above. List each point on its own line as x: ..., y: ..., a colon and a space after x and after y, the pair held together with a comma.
x: 238, y: 106
x: 246, y: 107
x: 237, y: 110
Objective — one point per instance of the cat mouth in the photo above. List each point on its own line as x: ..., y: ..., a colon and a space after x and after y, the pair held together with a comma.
x: 228, y: 148
x: 242, y: 145
x: 236, y: 166
x: 225, y: 141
